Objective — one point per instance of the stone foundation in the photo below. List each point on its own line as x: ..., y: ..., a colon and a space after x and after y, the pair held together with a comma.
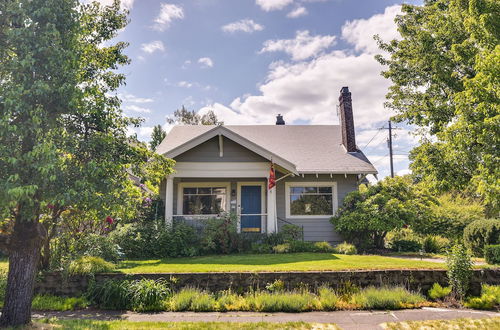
x: 421, y: 280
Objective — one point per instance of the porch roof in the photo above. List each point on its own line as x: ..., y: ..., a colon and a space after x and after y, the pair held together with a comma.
x: 301, y: 149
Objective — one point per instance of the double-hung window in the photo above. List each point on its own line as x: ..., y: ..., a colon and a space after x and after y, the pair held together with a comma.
x: 204, y: 200
x: 310, y: 199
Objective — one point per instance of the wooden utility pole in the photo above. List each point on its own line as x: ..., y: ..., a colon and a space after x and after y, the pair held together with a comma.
x: 389, y: 143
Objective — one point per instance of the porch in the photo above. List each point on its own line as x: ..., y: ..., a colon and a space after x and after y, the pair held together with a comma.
x: 201, y: 190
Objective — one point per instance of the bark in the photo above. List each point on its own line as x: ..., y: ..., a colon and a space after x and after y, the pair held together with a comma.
x: 24, y: 254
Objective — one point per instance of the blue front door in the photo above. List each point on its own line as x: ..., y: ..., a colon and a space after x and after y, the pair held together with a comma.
x: 251, y: 208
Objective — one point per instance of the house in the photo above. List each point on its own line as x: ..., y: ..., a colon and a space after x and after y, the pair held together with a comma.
x: 226, y: 168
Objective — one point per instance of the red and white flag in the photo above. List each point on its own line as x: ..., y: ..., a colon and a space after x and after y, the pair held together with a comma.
x: 272, y: 178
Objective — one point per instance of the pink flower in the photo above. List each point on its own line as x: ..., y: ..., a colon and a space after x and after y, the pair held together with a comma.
x: 50, y: 206
x: 109, y: 220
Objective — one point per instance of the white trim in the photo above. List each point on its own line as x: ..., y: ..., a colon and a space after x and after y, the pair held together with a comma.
x: 221, y: 130
x: 182, y: 185
x: 221, y: 169
x: 262, y: 201
x: 169, y: 200
x: 335, y: 197
x: 221, y: 146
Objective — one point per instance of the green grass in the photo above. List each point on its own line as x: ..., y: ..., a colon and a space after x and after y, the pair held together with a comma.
x: 272, y: 262
x: 488, y: 323
x: 48, y: 302
x: 109, y: 325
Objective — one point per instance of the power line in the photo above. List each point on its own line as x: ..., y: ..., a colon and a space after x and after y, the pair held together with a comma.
x: 374, y: 136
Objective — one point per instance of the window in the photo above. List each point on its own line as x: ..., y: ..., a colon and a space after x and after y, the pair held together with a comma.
x: 310, y: 199
x: 204, y: 200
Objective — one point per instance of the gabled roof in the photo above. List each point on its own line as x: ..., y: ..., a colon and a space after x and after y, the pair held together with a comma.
x: 300, y: 149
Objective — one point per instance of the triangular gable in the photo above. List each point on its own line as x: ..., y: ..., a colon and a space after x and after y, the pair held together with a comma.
x: 221, y: 130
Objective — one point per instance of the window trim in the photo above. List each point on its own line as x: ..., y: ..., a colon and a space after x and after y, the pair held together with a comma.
x: 289, y: 185
x: 180, y: 195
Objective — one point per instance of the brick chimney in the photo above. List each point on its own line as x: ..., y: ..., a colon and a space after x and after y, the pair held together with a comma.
x: 347, y: 120
x: 279, y: 120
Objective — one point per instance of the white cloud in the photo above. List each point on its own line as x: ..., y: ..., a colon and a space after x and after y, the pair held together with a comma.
x: 206, y: 62
x: 297, y: 12
x: 143, y: 132
x: 268, y: 5
x: 135, y: 108
x: 184, y: 84
x: 153, y: 46
x: 168, y: 13
x: 360, y: 32
x: 134, y: 99
x: 302, y: 47
x: 244, y: 25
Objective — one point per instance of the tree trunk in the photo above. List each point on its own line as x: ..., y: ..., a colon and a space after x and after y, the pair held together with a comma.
x: 24, y: 254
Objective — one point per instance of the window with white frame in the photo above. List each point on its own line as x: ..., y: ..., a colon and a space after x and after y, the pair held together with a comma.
x: 310, y: 199
x: 204, y: 200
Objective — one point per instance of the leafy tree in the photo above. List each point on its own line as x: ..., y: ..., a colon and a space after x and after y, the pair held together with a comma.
x: 187, y: 117
x: 367, y: 215
x: 446, y: 72
x: 63, y: 142
x: 156, y: 137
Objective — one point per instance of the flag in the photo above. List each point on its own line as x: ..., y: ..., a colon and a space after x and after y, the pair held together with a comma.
x: 272, y: 178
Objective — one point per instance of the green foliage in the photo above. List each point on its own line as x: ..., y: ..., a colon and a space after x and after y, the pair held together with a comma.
x: 110, y: 294
x: 450, y: 215
x: 290, y: 302
x: 492, y: 254
x: 480, y: 233
x: 346, y: 248
x: 220, y: 235
x: 261, y: 248
x: 228, y: 301
x: 404, y: 245
x: 438, y: 292
x: 157, y: 137
x: 56, y: 303
x: 323, y: 247
x: 149, y: 295
x: 459, y: 263
x: 291, y: 233
x: 3, y: 284
x: 386, y: 298
x: 328, y: 299
x: 185, y: 117
x: 489, y: 299
x: 435, y: 244
x: 204, y: 302
x: 276, y: 286
x: 445, y: 73
x: 367, y: 215
x: 282, y: 248
x: 301, y: 246
x: 182, y: 300
x: 90, y: 265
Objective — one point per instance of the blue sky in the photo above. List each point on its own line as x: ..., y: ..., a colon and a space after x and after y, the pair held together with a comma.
x: 249, y: 60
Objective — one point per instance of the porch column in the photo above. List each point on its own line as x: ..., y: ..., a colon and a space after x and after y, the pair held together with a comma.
x: 169, y: 201
x: 272, y: 225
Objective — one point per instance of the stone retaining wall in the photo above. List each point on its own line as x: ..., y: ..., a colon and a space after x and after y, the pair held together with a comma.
x: 57, y: 284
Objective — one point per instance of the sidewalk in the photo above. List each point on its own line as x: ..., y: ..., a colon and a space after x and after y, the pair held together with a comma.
x: 344, y: 319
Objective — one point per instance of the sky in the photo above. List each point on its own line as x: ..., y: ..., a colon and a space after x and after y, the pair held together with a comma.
x: 248, y: 60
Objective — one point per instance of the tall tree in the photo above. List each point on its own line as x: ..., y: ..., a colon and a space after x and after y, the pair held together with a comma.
x: 62, y: 135
x: 157, y: 136
x: 446, y: 72
x: 187, y: 117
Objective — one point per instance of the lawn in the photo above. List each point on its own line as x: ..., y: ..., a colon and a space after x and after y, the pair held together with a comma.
x: 492, y: 323
x: 109, y: 325
x: 272, y: 263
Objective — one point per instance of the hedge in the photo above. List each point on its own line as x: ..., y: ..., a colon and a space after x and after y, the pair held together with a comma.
x: 480, y: 233
x: 492, y: 254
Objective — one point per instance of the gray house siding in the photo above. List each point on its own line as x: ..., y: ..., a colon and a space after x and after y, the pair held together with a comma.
x: 314, y: 229
x: 209, y: 152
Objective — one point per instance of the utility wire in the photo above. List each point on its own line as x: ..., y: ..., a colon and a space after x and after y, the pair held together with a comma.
x: 374, y: 136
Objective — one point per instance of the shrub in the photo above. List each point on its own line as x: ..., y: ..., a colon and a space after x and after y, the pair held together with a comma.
x: 228, y: 301
x: 274, y: 239
x: 438, y: 292
x: 281, y: 302
x: 261, y: 248
x: 435, y: 244
x: 328, y: 299
x: 181, y: 301
x: 406, y: 246
x: 346, y: 248
x: 323, y: 247
x: 386, y: 298
x: 55, y: 303
x: 220, y: 235
x: 96, y: 246
x: 459, y: 270
x: 90, y: 265
x: 480, y: 233
x: 301, y: 246
x: 148, y: 295
x: 489, y: 299
x: 281, y: 248
x: 291, y: 233
x: 276, y: 286
x: 3, y: 284
x: 204, y: 302
x: 492, y: 254
x: 110, y: 294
